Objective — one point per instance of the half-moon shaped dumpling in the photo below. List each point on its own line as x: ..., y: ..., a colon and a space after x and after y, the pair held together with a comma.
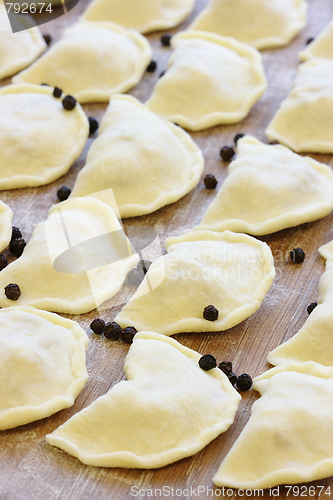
x: 268, y: 189
x: 232, y: 272
x: 6, y: 217
x: 168, y: 409
x: 74, y: 262
x: 92, y: 61
x: 260, y: 23
x: 210, y: 80
x: 144, y: 16
x: 39, y: 139
x: 304, y: 121
x: 320, y: 47
x: 147, y: 161
x: 288, y: 438
x: 42, y: 364
x: 17, y: 50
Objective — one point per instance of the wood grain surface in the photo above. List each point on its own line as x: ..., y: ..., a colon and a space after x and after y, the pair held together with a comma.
x: 30, y: 469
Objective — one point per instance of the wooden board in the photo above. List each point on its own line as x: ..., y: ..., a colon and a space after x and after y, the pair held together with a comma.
x: 30, y: 469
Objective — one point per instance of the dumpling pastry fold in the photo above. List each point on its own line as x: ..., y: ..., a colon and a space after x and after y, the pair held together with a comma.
x: 321, y: 47
x: 232, y: 272
x: 6, y: 217
x: 147, y: 161
x: 288, y: 438
x: 159, y: 415
x: 259, y: 23
x: 76, y: 260
x: 39, y: 139
x: 268, y: 189
x: 210, y: 80
x: 304, y: 120
x: 42, y: 364
x: 17, y: 50
x: 92, y: 61
x: 144, y: 16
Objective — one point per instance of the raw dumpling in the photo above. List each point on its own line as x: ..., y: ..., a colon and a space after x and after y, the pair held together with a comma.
x: 260, y: 23
x: 304, y: 121
x: 6, y: 216
x: 210, y: 80
x: 288, y: 438
x: 232, y: 272
x: 92, y: 61
x: 39, y: 139
x: 17, y: 50
x: 147, y: 161
x: 321, y: 47
x: 42, y: 364
x: 168, y: 409
x: 74, y: 261
x: 268, y: 189
x: 144, y: 16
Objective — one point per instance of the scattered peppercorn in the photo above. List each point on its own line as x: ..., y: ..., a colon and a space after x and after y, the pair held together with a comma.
x: 232, y: 378
x: 135, y: 277
x: 226, y: 367
x: 57, y: 92
x: 69, y: 102
x: 151, y: 67
x: 297, y: 255
x: 16, y: 233
x: 144, y: 265
x: 97, y: 326
x: 12, y: 291
x: 237, y: 137
x: 3, y: 262
x: 161, y: 74
x: 210, y: 313
x: 309, y: 40
x: 165, y: 40
x: 63, y: 193
x: 207, y: 362
x: 128, y: 333
x: 244, y: 382
x: 112, y: 330
x: 48, y: 39
x: 16, y: 247
x: 210, y: 181
x: 93, y: 125
x: 311, y: 307
x: 227, y: 153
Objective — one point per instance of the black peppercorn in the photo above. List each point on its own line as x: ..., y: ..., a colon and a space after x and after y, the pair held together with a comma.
x: 227, y: 153
x: 144, y: 265
x: 16, y: 247
x: 3, y: 262
x: 48, y: 39
x: 112, y: 330
x: 232, y: 378
x: 162, y: 73
x: 63, y: 193
x: 57, y: 92
x: 97, y: 326
x: 244, y: 382
x: 237, y: 137
x: 297, y: 255
x: 309, y: 40
x: 135, y: 277
x: 93, y: 125
x: 165, y: 40
x: 311, y: 307
x: 16, y: 233
x: 12, y: 291
x: 210, y: 313
x: 207, y: 362
x: 127, y: 334
x: 210, y: 181
x: 226, y: 367
x: 69, y: 102
x: 151, y: 67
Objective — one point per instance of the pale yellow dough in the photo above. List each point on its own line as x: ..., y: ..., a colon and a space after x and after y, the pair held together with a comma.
x: 147, y: 161
x: 260, y: 23
x: 288, y: 438
x: 6, y: 217
x: 268, y: 189
x: 168, y: 409
x: 210, y: 80
x: 321, y: 47
x: 91, y: 272
x: 42, y: 364
x: 232, y: 272
x: 304, y: 121
x: 17, y: 50
x: 39, y: 139
x: 144, y: 16
x: 92, y: 61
